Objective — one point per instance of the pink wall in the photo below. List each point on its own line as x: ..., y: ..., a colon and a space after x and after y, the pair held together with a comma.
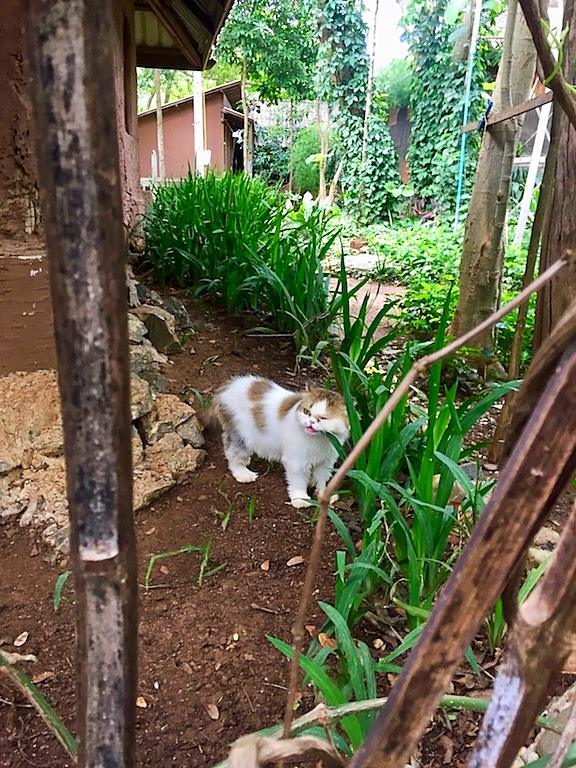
x: 179, y: 137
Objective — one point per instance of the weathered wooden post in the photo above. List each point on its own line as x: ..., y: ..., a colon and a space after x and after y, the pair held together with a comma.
x: 70, y: 50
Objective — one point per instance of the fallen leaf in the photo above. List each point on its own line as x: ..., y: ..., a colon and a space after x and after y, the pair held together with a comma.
x: 311, y: 629
x: 21, y: 639
x: 42, y: 677
x: 141, y: 702
x: 298, y: 560
x: 265, y: 565
x: 326, y: 641
x: 150, y: 531
x: 164, y: 570
x: 213, y: 711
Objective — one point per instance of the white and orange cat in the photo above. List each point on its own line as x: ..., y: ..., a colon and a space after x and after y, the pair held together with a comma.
x: 260, y: 417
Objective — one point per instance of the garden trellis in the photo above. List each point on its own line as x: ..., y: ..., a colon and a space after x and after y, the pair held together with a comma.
x: 71, y: 65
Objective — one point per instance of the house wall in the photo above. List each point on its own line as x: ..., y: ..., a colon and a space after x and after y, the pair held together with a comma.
x: 179, y: 148
x: 18, y: 176
x: 26, y: 338
x: 126, y: 110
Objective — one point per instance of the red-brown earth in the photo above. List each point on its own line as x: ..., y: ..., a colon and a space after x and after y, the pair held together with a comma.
x: 203, y: 650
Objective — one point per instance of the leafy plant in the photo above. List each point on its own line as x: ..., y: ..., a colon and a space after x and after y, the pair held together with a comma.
x: 235, y: 239
x: 9, y: 666
x: 395, y: 81
x: 203, y: 573
x: 435, y: 38
x: 271, y: 154
x: 59, y: 586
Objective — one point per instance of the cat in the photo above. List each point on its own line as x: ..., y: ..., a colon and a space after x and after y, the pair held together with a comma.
x: 260, y: 417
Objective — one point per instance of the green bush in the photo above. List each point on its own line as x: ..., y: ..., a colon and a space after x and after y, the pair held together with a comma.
x: 395, y: 81
x: 271, y: 154
x: 306, y: 175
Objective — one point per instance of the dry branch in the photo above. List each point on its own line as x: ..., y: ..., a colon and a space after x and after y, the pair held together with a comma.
x: 254, y: 751
x: 70, y: 48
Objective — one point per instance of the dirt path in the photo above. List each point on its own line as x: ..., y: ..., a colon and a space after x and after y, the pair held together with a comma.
x: 199, y: 645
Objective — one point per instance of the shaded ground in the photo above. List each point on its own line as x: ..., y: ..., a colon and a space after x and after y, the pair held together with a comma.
x: 199, y: 645
x: 203, y: 652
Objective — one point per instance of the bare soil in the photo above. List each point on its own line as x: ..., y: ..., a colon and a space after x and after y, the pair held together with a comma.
x: 199, y: 645
x: 207, y: 672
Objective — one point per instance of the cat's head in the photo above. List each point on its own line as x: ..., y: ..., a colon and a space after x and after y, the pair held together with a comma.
x: 321, y: 411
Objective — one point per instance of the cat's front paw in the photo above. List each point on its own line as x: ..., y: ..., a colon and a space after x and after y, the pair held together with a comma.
x: 300, y: 503
x: 244, y: 475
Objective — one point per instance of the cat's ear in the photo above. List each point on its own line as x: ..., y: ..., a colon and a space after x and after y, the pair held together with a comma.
x: 310, y: 385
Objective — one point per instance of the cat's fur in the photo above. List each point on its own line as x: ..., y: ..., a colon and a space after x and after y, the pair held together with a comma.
x: 260, y: 417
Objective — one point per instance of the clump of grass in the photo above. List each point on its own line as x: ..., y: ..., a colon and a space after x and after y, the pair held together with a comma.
x: 233, y: 238
x: 202, y: 574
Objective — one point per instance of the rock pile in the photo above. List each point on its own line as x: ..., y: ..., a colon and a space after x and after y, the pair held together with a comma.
x: 166, y: 435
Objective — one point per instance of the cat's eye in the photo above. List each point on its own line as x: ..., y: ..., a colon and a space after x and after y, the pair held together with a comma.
x: 306, y: 411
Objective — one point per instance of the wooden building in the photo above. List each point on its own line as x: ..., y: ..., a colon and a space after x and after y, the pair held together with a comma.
x: 223, y: 123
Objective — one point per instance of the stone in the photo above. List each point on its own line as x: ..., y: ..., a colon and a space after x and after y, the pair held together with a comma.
x: 137, y: 447
x: 137, y: 331
x: 141, y: 400
x: 191, y: 432
x: 147, y: 296
x: 165, y: 463
x: 178, y: 312
x: 558, y: 710
x: 161, y: 328
x: 168, y: 414
x: 132, y: 287
x: 158, y: 382
x: 32, y: 423
x: 144, y: 358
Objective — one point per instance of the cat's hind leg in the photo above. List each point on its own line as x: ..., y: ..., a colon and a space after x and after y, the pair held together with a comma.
x: 238, y: 457
x: 321, y: 475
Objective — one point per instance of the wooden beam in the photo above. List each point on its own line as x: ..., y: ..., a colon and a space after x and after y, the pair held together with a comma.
x: 509, y: 112
x: 181, y: 35
x: 161, y: 58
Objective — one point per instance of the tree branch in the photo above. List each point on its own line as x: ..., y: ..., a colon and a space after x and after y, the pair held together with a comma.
x: 557, y: 82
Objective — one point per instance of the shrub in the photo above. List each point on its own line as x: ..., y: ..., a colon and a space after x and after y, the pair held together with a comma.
x: 306, y: 175
x: 271, y: 154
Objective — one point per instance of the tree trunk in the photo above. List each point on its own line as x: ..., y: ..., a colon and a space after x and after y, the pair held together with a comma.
x: 245, y: 112
x: 369, y: 88
x: 291, y: 142
x: 483, y: 248
x: 323, y: 135
x: 560, y: 228
x: 159, y: 127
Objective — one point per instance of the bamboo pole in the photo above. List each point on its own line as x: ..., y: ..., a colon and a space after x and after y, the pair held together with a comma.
x: 70, y: 45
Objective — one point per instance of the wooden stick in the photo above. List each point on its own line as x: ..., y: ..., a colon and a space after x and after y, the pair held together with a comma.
x: 70, y: 47
x: 506, y: 114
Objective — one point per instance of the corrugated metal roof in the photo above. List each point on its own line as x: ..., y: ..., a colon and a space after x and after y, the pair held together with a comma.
x: 177, y: 34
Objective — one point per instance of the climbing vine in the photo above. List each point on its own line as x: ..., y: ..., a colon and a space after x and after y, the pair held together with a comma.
x: 343, y: 64
x: 438, y: 35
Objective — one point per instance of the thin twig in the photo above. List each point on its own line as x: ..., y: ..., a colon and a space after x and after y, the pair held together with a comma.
x: 419, y: 367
